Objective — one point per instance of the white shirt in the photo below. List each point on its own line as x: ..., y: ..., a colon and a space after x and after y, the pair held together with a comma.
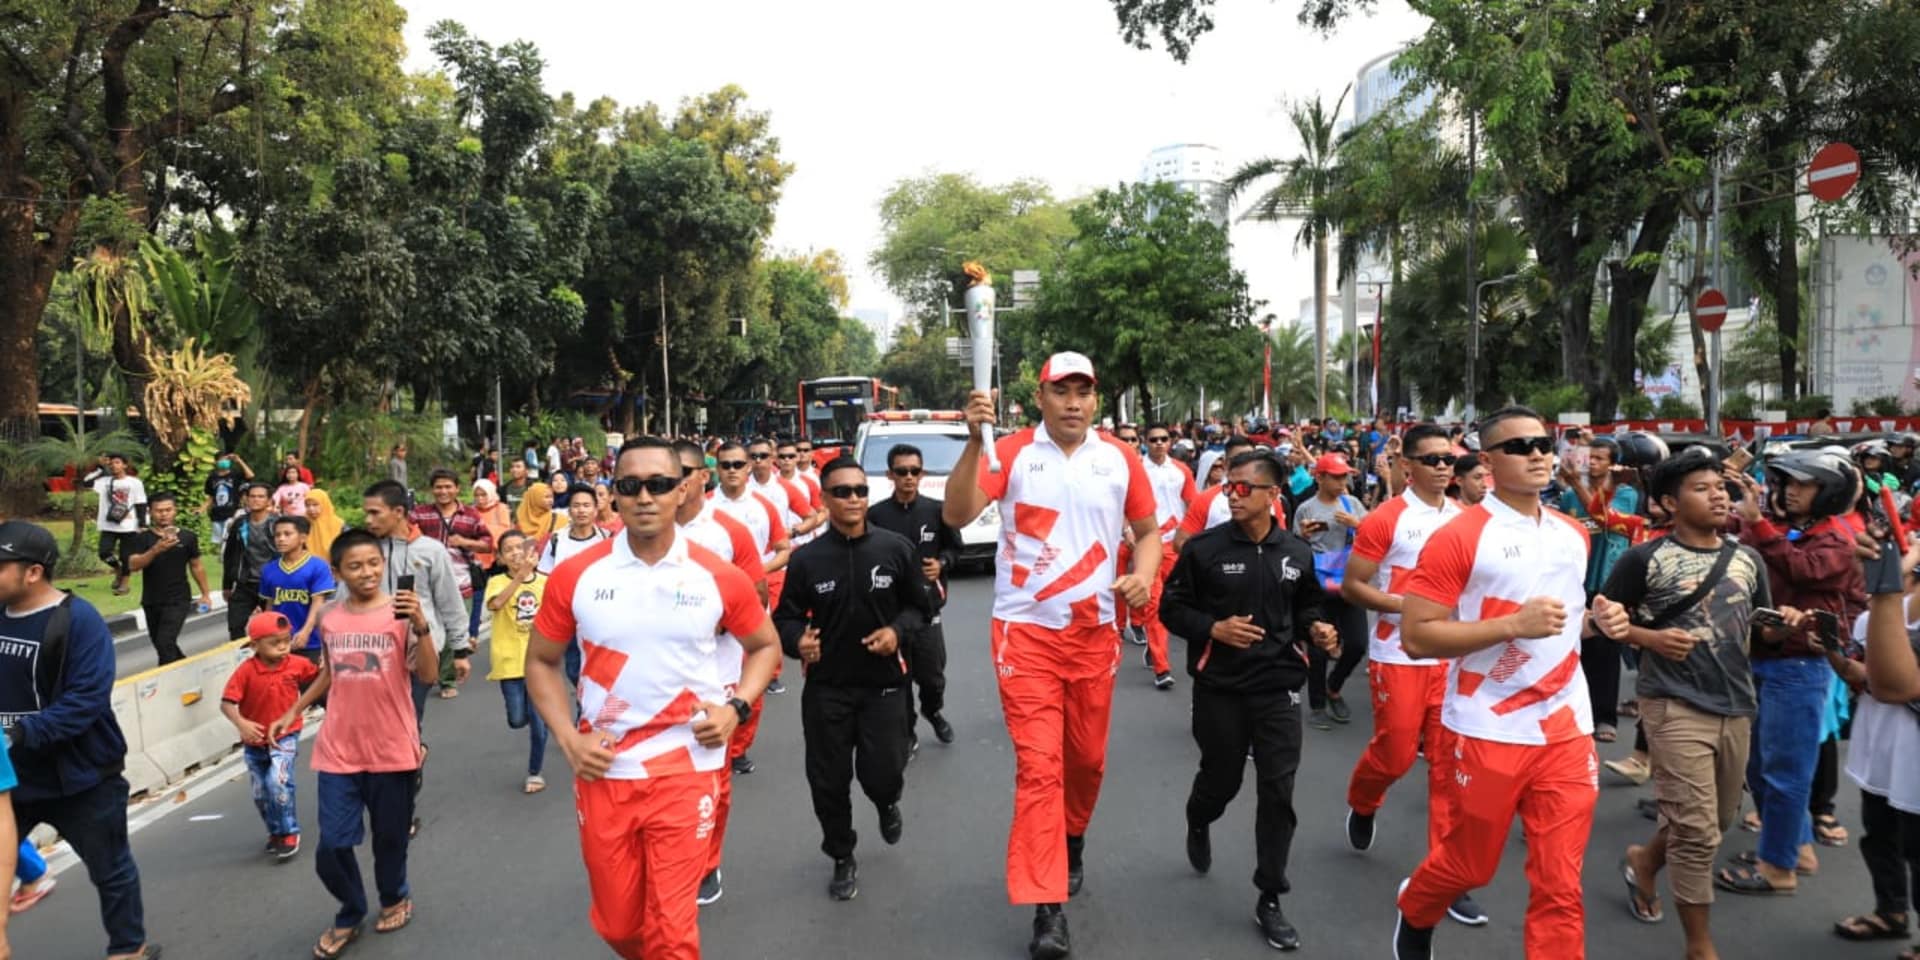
x: 561, y: 545
x: 730, y: 540
x: 649, y: 644
x: 1060, y: 525
x: 787, y: 500
x: 1392, y: 536
x: 757, y: 514
x: 1486, y: 564
x: 1886, y: 739
x: 810, y: 492
x: 129, y: 492
x: 1172, y: 489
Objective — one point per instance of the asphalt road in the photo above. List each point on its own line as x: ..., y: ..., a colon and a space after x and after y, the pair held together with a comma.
x: 134, y: 653
x: 497, y: 875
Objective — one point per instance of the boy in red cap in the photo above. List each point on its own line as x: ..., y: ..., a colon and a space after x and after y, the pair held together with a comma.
x: 262, y: 687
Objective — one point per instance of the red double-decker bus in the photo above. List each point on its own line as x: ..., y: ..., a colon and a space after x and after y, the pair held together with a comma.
x: 832, y: 409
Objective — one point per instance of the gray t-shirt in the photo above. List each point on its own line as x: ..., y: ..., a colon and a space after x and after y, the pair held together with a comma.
x: 1335, y: 536
x: 1716, y: 676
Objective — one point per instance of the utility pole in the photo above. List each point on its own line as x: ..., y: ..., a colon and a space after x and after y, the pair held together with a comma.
x: 666, y: 392
x: 1713, y: 371
x: 1473, y: 267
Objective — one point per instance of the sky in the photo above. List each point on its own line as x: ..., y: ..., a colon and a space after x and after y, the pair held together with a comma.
x: 864, y: 93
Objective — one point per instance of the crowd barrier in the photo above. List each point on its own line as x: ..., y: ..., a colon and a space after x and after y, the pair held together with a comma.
x: 171, y: 717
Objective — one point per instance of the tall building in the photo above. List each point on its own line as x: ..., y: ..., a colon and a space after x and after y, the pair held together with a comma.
x: 1196, y: 168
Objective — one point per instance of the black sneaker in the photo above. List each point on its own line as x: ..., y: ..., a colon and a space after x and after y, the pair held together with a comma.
x: 941, y: 728
x: 913, y: 745
x: 776, y: 687
x: 288, y: 847
x: 1076, y: 870
x: 1163, y: 681
x: 1273, y: 923
x: 846, y: 879
x: 891, y: 823
x: 1138, y: 635
x: 1410, y: 942
x: 1146, y: 658
x: 1465, y: 911
x: 1318, y: 719
x: 273, y: 846
x: 743, y: 764
x: 1360, y: 830
x: 1050, y: 940
x: 1199, y: 848
x: 709, y: 888
x: 1338, y: 710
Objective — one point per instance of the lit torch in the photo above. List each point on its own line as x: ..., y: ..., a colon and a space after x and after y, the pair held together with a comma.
x: 980, y: 328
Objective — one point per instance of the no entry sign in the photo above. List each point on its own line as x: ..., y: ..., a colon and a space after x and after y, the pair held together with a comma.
x: 1710, y: 310
x: 1833, y: 172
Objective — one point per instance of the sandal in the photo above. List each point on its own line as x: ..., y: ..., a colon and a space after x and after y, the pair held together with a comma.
x: 448, y: 693
x: 1751, y: 822
x: 24, y: 899
x: 1749, y: 881
x: 1606, y: 733
x: 333, y: 943
x: 1630, y: 709
x: 1752, y: 859
x: 1632, y: 769
x: 1827, y: 830
x: 147, y: 951
x: 395, y: 917
x: 535, y: 784
x: 1644, y: 908
x: 1872, y: 926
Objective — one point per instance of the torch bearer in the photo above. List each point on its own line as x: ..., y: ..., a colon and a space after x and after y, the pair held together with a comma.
x: 980, y: 328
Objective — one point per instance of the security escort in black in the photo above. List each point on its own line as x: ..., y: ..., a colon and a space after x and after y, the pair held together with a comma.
x: 852, y: 597
x: 1245, y: 596
x: 917, y: 518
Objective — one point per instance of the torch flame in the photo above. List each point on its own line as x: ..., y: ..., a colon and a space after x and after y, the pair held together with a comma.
x: 976, y: 272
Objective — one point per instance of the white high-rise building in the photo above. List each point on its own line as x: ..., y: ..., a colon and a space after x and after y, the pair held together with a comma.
x: 1196, y: 168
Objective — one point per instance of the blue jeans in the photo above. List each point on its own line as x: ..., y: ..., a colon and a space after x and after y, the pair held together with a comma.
x: 270, y: 769
x: 521, y: 713
x: 387, y: 799
x: 1786, y: 748
x: 31, y: 866
x: 94, y: 824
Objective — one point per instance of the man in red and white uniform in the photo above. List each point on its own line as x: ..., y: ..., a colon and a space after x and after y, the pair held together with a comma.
x: 1208, y: 508
x: 1064, y: 495
x: 763, y: 520
x: 786, y: 458
x: 648, y: 608
x: 797, y: 517
x: 1407, y: 692
x: 1499, y: 589
x: 1172, y: 485
x: 730, y: 540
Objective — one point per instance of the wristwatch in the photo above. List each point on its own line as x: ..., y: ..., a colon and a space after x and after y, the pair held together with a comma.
x: 741, y: 707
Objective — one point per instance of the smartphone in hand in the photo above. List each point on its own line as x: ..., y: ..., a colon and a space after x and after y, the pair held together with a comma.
x: 402, y: 582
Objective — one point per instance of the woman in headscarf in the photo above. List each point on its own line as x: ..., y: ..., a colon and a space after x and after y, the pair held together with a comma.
x: 494, y: 514
x: 325, y: 521
x: 535, y: 518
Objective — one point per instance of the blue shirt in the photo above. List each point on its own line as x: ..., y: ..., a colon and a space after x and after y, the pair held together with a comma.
x: 291, y: 592
x: 7, y: 780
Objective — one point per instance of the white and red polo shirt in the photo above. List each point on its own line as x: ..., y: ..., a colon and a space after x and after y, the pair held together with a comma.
x: 1211, y: 509
x: 757, y: 514
x: 730, y: 540
x: 810, y: 491
x: 1061, y: 519
x: 1392, y: 536
x: 786, y: 496
x: 649, y: 644
x: 1486, y: 563
x: 1172, y: 485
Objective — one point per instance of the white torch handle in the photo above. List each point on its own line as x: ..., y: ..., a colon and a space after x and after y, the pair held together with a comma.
x: 993, y: 449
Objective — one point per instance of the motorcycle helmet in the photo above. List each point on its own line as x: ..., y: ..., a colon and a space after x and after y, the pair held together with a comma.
x: 1833, y: 473
x: 1639, y: 449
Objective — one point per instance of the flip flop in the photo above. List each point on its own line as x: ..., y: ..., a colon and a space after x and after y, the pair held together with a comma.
x: 535, y: 784
x: 1752, y: 859
x: 1872, y: 926
x: 1749, y: 882
x: 322, y: 952
x: 1829, y: 832
x: 1644, y: 909
x: 403, y: 911
x: 1751, y: 822
x: 24, y: 899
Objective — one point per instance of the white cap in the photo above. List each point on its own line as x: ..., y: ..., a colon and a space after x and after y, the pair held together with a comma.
x: 1066, y: 364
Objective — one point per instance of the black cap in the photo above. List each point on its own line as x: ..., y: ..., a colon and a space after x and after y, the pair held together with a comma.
x: 20, y: 540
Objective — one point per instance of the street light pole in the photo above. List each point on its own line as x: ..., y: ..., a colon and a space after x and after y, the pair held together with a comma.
x: 1473, y: 339
x: 1473, y: 267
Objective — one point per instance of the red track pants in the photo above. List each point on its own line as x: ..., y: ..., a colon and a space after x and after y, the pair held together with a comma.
x: 1056, y: 690
x: 722, y: 809
x: 645, y: 843
x: 1553, y: 789
x: 1147, y: 616
x: 1406, y: 708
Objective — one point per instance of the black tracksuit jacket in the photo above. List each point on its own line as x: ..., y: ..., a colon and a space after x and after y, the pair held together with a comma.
x: 920, y: 523
x: 1223, y: 573
x: 848, y: 589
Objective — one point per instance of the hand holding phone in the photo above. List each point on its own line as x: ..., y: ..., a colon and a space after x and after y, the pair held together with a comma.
x: 400, y: 583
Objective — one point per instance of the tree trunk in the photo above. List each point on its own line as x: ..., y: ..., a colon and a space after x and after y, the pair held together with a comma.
x: 30, y: 253
x: 1559, y: 239
x: 1628, y: 309
x: 1786, y: 306
x: 312, y: 396
x: 1320, y: 319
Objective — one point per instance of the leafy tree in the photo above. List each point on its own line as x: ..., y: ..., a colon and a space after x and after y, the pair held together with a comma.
x: 1306, y: 184
x: 918, y: 365
x: 79, y: 450
x: 1146, y: 290
x: 932, y: 225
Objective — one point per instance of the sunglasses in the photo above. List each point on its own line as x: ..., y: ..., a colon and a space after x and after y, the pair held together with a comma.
x: 1436, y: 460
x: 1522, y: 446
x: 848, y: 491
x: 905, y: 471
x: 788, y: 456
x: 760, y: 456
x: 805, y: 450
x: 1126, y: 439
x: 1159, y: 439
x: 656, y: 486
x: 731, y: 464
x: 1241, y: 488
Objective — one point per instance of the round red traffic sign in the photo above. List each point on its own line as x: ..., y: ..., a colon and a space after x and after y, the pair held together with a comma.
x: 1710, y: 309
x: 1833, y: 172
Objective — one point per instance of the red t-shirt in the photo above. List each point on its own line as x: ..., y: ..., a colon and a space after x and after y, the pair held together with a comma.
x: 263, y: 693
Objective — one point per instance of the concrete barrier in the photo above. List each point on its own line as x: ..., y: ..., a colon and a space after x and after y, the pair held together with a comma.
x: 172, y: 719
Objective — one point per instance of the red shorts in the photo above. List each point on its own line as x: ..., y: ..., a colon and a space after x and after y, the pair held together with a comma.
x: 646, y: 844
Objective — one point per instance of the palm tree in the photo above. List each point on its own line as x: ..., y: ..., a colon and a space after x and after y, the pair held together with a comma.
x: 1305, y: 183
x: 1293, y: 370
x: 80, y: 450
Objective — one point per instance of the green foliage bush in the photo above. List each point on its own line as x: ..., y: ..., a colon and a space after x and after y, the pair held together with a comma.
x: 1636, y: 406
x: 1676, y: 407
x: 1739, y: 406
x: 1554, y: 401
x: 1810, y: 405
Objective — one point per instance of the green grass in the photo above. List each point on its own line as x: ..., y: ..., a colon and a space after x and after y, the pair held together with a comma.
x: 97, y: 589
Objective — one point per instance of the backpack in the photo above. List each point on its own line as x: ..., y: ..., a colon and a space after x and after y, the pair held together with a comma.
x: 52, y: 665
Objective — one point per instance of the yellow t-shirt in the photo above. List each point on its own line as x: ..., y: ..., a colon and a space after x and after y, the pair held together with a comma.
x: 513, y: 624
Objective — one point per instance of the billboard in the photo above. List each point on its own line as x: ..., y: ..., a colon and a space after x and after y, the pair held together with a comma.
x: 1869, y: 322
